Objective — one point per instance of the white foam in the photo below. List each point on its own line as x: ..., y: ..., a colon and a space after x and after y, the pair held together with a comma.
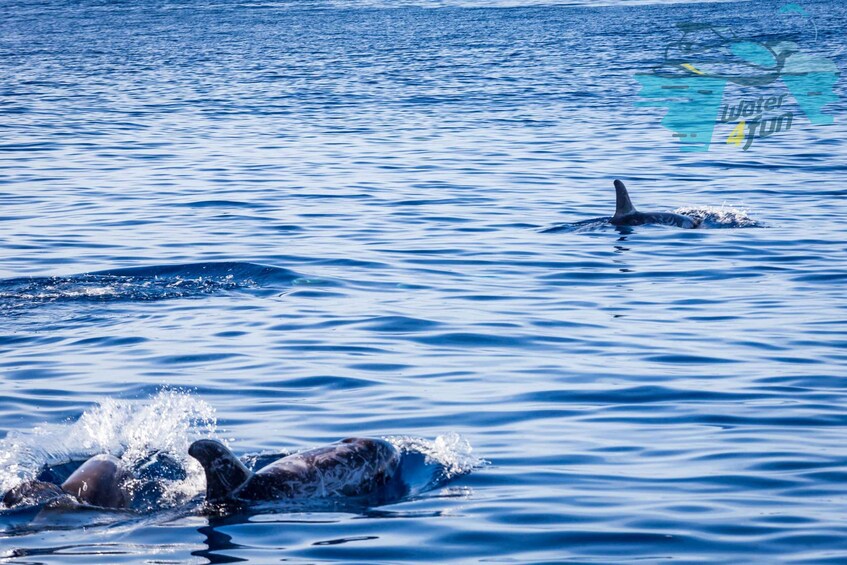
x: 724, y: 216
x: 451, y: 451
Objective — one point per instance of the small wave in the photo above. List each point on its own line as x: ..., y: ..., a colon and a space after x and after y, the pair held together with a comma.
x: 142, y: 283
x: 592, y: 224
x: 717, y: 217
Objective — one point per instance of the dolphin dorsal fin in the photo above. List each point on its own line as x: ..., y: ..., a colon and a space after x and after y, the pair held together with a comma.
x: 224, y: 472
x: 623, y: 205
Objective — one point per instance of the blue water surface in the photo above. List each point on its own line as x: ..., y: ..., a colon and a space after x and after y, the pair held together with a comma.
x: 281, y: 223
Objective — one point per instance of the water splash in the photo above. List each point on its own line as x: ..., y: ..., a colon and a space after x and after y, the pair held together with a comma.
x: 717, y: 217
x: 450, y: 456
x: 165, y: 425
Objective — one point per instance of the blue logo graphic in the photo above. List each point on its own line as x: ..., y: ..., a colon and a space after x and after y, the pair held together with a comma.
x: 691, y: 81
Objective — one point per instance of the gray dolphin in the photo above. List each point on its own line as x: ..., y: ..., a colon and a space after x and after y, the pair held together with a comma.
x: 100, y: 481
x: 627, y: 215
x: 353, y: 467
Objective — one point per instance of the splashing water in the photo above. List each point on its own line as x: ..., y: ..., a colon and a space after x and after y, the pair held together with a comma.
x: 724, y: 216
x: 166, y: 424
x: 451, y: 452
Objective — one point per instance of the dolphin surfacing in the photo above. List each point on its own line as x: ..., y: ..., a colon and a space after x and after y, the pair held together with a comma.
x: 100, y: 481
x: 353, y: 467
x: 627, y: 215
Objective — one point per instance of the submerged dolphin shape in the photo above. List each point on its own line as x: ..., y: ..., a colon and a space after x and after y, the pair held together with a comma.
x: 353, y: 467
x: 627, y: 215
x: 100, y: 481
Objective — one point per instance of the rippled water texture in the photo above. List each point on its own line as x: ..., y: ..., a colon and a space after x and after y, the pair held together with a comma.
x: 284, y: 223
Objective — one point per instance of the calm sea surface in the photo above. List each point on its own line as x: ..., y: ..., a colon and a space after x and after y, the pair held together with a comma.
x: 283, y: 223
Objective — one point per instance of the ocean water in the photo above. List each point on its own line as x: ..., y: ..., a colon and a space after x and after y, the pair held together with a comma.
x: 280, y: 224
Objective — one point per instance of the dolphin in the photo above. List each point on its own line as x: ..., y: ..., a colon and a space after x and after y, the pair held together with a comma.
x: 627, y: 215
x: 352, y: 467
x: 34, y: 493
x: 100, y: 481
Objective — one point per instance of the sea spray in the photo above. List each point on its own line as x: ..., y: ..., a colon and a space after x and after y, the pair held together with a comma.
x: 452, y: 452
x: 716, y: 217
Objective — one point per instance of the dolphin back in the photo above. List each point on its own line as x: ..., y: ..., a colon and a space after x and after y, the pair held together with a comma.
x: 627, y: 215
x: 354, y: 467
x: 100, y: 481
x: 32, y: 493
